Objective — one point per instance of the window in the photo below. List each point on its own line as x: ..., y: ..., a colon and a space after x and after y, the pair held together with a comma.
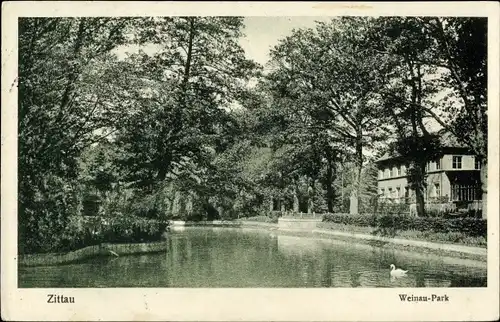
x: 390, y: 192
x: 398, y: 171
x: 477, y: 164
x: 403, y: 169
x: 381, y: 174
x: 382, y: 192
x: 438, y: 164
x: 437, y: 190
x: 398, y: 192
x: 407, y: 192
x: 393, y: 172
x: 456, y: 162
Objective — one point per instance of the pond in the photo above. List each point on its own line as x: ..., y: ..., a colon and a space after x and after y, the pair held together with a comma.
x: 240, y: 257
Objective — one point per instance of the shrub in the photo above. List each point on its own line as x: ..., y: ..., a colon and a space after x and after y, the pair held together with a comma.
x: 450, y: 237
x: 263, y: 219
x: 43, y: 213
x: 439, y: 200
x: 467, y: 225
x: 86, y: 231
x: 393, y: 208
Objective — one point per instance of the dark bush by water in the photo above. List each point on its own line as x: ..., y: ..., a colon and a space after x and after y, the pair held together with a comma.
x: 86, y: 231
x: 470, y: 226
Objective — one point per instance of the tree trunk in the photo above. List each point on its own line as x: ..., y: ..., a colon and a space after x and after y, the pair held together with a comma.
x: 329, y: 186
x: 420, y: 203
x: 310, y: 205
x: 310, y: 195
x: 484, y: 187
x: 176, y: 206
x: 295, y: 201
x: 189, y: 204
x: 354, y: 198
x: 419, y: 190
x: 354, y: 201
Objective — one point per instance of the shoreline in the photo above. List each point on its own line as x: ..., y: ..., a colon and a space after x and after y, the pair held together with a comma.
x: 101, y: 250
x: 426, y: 247
x: 107, y: 249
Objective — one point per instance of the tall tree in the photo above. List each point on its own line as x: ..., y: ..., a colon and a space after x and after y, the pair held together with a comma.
x: 58, y: 115
x: 179, y: 109
x: 449, y: 56
x: 338, y: 79
x: 408, y: 88
x: 461, y: 50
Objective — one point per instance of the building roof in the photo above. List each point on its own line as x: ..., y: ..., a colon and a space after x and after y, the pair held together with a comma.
x: 448, y: 140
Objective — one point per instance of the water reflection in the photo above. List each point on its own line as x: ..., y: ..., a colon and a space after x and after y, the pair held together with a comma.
x: 201, y: 257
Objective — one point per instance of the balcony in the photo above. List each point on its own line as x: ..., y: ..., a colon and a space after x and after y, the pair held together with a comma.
x: 466, y: 192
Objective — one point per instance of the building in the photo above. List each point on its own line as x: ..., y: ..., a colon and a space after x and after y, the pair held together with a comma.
x: 453, y: 178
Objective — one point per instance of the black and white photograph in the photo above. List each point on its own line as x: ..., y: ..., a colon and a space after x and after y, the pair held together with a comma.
x: 237, y: 151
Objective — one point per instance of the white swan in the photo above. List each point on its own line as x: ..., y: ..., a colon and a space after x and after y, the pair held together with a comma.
x: 397, y: 271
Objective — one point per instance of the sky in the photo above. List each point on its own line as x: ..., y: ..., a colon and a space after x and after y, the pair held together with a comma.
x: 263, y: 33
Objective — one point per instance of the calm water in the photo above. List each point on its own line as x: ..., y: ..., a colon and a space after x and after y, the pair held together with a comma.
x: 226, y: 257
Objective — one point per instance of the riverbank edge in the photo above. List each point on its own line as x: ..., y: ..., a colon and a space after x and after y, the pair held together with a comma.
x: 101, y: 250
x: 107, y: 249
x: 452, y: 250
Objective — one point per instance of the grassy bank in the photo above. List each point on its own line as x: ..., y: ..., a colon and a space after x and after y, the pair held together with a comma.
x: 430, y: 236
x: 465, y: 231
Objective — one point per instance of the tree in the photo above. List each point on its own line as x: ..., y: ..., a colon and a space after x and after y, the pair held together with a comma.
x: 408, y: 88
x: 179, y: 106
x: 440, y: 55
x: 58, y: 116
x: 461, y: 49
x: 338, y: 81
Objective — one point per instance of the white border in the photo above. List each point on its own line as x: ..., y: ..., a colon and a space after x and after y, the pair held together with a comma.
x: 338, y: 304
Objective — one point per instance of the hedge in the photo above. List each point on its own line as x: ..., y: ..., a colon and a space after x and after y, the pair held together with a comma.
x: 265, y: 219
x: 87, y: 231
x: 467, y: 225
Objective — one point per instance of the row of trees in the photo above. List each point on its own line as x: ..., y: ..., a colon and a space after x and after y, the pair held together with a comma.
x: 142, y: 132
x: 344, y: 87
x: 162, y: 115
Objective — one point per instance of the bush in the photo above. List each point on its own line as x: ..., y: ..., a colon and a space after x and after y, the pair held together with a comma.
x: 468, y: 225
x: 86, y: 231
x: 266, y: 219
x: 393, y: 208
x: 43, y: 213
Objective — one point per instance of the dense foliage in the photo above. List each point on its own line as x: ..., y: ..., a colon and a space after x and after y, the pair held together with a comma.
x: 194, y: 130
x: 400, y: 222
x: 82, y: 232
